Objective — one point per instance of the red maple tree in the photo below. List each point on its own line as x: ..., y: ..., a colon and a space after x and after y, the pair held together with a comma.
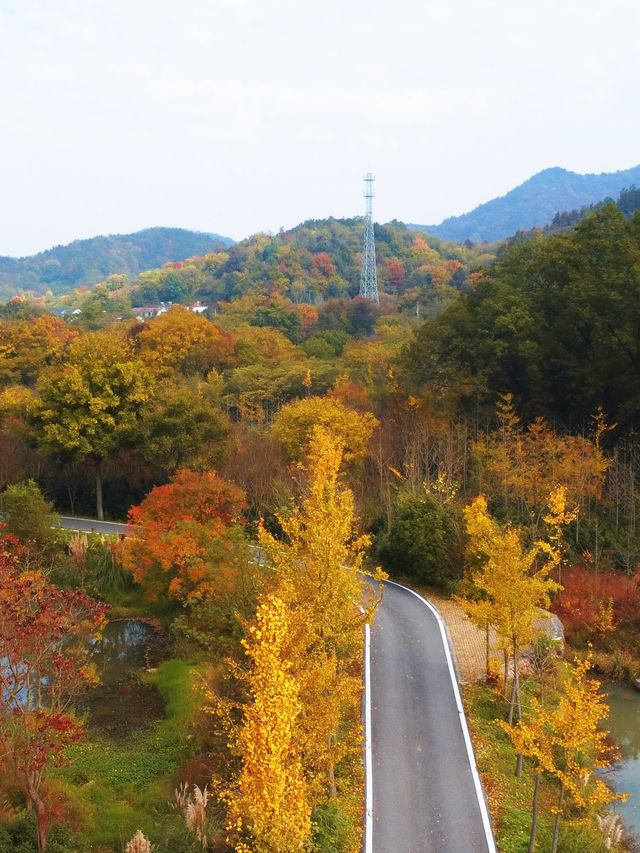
x: 44, y: 648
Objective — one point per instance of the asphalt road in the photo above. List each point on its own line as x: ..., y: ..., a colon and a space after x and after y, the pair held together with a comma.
x: 426, y: 793
x: 90, y: 525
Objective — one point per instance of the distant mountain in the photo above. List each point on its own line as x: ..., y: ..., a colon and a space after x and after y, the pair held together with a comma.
x: 86, y: 262
x: 533, y: 204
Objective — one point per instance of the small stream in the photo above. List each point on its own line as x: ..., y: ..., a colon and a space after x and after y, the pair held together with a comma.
x: 624, y: 725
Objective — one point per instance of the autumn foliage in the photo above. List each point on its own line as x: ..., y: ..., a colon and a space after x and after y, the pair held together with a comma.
x: 182, y: 542
x: 270, y: 807
x: 597, y: 602
x: 569, y: 743
x: 44, y: 633
x: 303, y: 675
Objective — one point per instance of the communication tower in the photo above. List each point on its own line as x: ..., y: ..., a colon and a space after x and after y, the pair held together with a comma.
x: 368, y: 274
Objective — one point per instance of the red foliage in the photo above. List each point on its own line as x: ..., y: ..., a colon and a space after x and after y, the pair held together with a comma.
x: 397, y: 275
x: 586, y: 592
x: 322, y: 265
x: 43, y: 640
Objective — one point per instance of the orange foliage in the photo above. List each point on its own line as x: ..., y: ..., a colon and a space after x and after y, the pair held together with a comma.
x: 322, y: 265
x: 183, y: 342
x: 351, y: 394
x: 309, y: 316
x: 183, y: 537
x: 28, y: 346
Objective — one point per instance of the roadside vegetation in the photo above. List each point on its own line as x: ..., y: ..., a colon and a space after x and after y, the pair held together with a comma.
x: 489, y: 451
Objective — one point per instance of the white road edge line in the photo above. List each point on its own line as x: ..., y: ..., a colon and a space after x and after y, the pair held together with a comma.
x: 368, y: 768
x: 486, y: 820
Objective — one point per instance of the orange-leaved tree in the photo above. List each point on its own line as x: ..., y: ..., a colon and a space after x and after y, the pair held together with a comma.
x: 186, y: 538
x: 183, y: 342
x: 44, y: 641
x: 30, y: 345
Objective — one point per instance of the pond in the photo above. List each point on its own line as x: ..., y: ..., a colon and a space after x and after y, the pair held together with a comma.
x: 126, y: 646
x: 624, y: 725
x: 123, y: 701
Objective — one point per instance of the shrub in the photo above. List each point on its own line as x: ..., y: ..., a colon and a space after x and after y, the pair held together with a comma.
x: 595, y: 602
x: 424, y: 542
x: 28, y: 516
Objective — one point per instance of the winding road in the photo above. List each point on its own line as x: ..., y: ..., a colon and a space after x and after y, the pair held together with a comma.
x: 426, y: 794
x: 424, y: 791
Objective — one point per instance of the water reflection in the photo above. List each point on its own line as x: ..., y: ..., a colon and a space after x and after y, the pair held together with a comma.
x: 122, y: 702
x: 125, y: 646
x: 624, y: 725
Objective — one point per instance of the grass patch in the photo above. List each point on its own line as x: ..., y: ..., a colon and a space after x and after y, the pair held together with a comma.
x: 127, y: 784
x: 510, y: 798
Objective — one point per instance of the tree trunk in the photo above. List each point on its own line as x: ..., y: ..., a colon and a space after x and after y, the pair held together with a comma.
x: 99, y: 513
x: 331, y: 778
x: 556, y: 828
x: 515, y: 700
x: 505, y: 655
x: 486, y: 647
x: 534, y: 813
x: 35, y: 801
x: 512, y: 703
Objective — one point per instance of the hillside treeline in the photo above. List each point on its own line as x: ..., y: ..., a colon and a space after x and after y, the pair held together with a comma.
x: 553, y: 322
x: 85, y: 262
x: 310, y: 264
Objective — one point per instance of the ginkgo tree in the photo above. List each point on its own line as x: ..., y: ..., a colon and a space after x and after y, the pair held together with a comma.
x: 521, y: 466
x: 295, y: 423
x: 512, y: 581
x: 568, y: 742
x: 298, y: 717
x: 269, y: 809
x: 317, y: 564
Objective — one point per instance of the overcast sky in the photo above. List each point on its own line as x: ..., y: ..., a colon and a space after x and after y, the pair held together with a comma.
x: 238, y: 116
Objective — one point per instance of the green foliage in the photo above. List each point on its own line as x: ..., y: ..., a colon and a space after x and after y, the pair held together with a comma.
x: 424, y: 542
x: 29, y: 517
x: 332, y: 829
x: 174, y: 680
x: 555, y: 323
x: 105, y: 572
x: 85, y: 262
x: 128, y: 783
x: 19, y: 836
x: 326, y: 344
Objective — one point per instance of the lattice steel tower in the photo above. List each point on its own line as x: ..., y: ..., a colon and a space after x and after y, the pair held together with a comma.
x: 368, y: 275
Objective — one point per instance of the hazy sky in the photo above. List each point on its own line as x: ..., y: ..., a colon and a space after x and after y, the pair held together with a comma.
x: 237, y: 116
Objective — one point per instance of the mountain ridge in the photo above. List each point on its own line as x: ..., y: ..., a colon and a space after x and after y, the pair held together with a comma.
x: 88, y: 261
x: 532, y: 204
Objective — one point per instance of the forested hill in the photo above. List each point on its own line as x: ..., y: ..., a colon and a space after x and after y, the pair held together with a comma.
x: 533, y: 204
x: 316, y: 261
x: 86, y: 262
